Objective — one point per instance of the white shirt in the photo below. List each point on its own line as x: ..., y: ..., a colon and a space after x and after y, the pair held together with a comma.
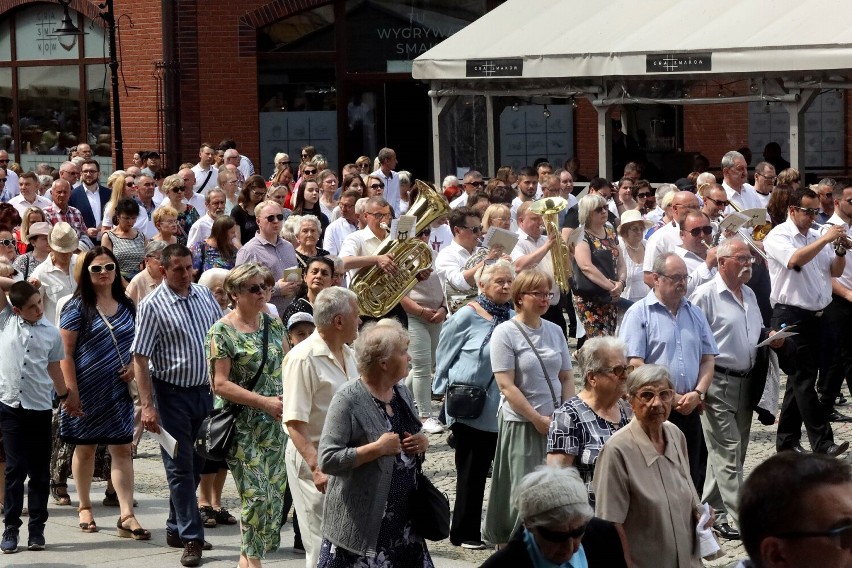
x: 450, y: 264
x: 201, y: 175
x: 696, y: 267
x: 747, y: 198
x: 441, y: 237
x: 94, y: 197
x: 200, y: 230
x: 391, y: 193
x: 764, y: 199
x: 360, y: 243
x: 516, y: 202
x: 459, y: 201
x: 335, y: 233
x: 845, y: 279
x: 22, y: 204
x: 142, y: 224
x: 246, y: 168
x: 13, y: 186
x: 809, y: 288
x: 665, y: 239
x: 736, y: 326
x: 526, y: 245
x: 55, y: 284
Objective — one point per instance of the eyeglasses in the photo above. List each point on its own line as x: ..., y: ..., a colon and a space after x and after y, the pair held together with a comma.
x: 692, y: 206
x: 363, y: 166
x: 742, y: 259
x: 98, y: 268
x: 600, y: 209
x: 273, y: 218
x: 4, y: 161
x: 475, y: 230
x: 258, y: 192
x: 256, y: 288
x: 8, y: 242
x: 540, y: 295
x: 561, y: 536
x: 476, y: 183
x: 380, y: 215
x: 304, y: 156
x: 646, y: 396
x: 807, y: 210
x: 177, y: 190
x: 719, y: 202
x: 767, y: 178
x: 90, y: 171
x: 842, y: 536
x: 676, y: 278
x: 308, y: 172
x: 2, y: 180
x: 287, y: 163
x: 618, y: 370
x: 706, y: 229
x: 643, y: 195
x: 377, y: 186
x: 425, y: 232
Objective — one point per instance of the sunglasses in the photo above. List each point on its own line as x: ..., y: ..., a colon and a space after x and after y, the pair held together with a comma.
x: 273, y: 218
x: 647, y: 396
x: 98, y: 268
x: 474, y: 230
x: 600, y: 209
x: 377, y: 186
x: 4, y: 161
x: 643, y: 195
x: 8, y: 242
x: 561, y: 536
x: 707, y: 230
x: 177, y: 190
x: 309, y: 172
x: 476, y: 183
x: 618, y: 369
x: 807, y: 210
x: 256, y: 288
x: 284, y: 163
x: 719, y: 202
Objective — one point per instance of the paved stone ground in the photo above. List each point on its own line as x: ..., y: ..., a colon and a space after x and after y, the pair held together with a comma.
x: 440, y: 467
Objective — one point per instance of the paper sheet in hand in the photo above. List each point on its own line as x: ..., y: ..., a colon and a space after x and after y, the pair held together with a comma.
x: 497, y: 237
x: 292, y: 274
x: 734, y: 222
x: 577, y: 235
x: 779, y: 335
x: 403, y: 227
x: 757, y: 216
x: 166, y: 440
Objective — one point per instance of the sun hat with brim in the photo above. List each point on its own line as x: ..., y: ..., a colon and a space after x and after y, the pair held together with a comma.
x: 63, y: 238
x: 40, y: 228
x: 633, y: 216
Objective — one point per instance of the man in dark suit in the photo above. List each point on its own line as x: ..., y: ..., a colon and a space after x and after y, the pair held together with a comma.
x: 89, y: 196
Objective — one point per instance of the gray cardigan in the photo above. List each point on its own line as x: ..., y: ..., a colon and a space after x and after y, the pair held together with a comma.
x: 356, y: 496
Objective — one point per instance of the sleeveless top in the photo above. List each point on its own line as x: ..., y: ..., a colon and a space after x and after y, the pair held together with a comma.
x: 129, y: 252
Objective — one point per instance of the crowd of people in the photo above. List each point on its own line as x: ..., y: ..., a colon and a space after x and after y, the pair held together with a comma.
x: 148, y: 302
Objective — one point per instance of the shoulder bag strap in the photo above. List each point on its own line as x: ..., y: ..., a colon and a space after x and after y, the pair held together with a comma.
x: 237, y: 408
x: 111, y: 334
x: 207, y: 179
x: 546, y: 376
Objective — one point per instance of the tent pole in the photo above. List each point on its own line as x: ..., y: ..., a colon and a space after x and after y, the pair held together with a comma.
x: 489, y: 123
x: 436, y: 134
x: 604, y: 137
x: 796, y: 110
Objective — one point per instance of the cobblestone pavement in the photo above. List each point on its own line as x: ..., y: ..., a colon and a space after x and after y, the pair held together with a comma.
x: 440, y: 467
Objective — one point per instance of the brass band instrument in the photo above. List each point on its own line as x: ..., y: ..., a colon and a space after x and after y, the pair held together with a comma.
x: 758, y: 231
x: 841, y: 241
x: 549, y: 209
x: 378, y: 291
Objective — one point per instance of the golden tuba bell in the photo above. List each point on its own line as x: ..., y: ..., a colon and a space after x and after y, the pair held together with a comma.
x: 549, y: 209
x: 379, y: 291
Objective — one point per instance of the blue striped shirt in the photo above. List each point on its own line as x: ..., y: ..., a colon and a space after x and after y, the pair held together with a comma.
x: 170, y: 331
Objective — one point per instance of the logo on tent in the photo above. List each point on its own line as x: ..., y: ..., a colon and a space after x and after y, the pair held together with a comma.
x: 678, y: 62
x: 495, y: 68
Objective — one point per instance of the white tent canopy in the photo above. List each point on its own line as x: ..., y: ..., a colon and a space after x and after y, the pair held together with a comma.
x: 593, y: 47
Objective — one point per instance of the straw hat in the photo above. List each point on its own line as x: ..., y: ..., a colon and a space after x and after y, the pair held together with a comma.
x: 633, y: 216
x: 40, y: 228
x: 63, y: 238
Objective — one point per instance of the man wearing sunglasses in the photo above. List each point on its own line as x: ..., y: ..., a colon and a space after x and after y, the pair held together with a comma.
x: 666, y: 329
x: 466, y: 225
x: 696, y: 233
x: 667, y: 238
x: 715, y: 201
x: 802, y: 265
x: 11, y: 188
x: 825, y: 191
x: 472, y: 182
x: 795, y: 511
x: 764, y: 181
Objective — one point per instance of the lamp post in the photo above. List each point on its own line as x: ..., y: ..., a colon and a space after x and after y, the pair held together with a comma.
x: 68, y: 28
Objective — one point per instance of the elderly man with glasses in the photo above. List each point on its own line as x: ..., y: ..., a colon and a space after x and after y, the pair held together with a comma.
x: 764, y: 181
x: 472, y: 182
x: 666, y: 329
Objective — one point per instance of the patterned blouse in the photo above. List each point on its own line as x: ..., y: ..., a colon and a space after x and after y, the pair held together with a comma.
x: 578, y: 431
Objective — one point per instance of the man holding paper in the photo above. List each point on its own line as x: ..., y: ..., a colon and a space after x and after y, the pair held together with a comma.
x: 466, y: 225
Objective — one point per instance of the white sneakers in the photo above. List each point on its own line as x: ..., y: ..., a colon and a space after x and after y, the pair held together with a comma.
x: 433, y: 426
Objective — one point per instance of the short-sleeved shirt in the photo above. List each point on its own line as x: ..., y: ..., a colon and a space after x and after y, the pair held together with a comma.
x: 808, y: 288
x: 275, y: 256
x: 511, y: 352
x: 27, y: 349
x: 311, y: 377
x: 652, y: 333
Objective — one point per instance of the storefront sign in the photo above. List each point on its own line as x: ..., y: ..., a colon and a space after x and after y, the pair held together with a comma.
x: 495, y: 68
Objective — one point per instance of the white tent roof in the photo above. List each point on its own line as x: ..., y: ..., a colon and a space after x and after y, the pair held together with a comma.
x: 609, y: 38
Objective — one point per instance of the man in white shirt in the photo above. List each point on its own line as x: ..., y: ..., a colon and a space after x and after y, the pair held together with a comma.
x: 387, y: 163
x: 232, y: 158
x: 28, y: 197
x: 527, y: 186
x: 715, y: 202
x: 206, y: 174
x: 345, y: 225
x: 245, y: 165
x: 764, y: 181
x: 472, y: 182
x: 700, y: 259
x: 735, y: 172
x: 215, y: 205
x: 12, y: 188
x: 667, y: 238
x: 801, y: 266
x: 189, y: 195
x: 466, y: 225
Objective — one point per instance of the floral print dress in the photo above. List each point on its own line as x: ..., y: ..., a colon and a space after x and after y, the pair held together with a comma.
x: 599, y: 318
x: 257, y: 456
x: 185, y: 220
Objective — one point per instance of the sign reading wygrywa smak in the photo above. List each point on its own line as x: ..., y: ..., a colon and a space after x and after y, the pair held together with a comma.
x: 495, y: 68
x: 677, y: 62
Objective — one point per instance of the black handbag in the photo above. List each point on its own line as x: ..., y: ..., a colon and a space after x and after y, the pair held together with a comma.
x: 216, y: 434
x: 581, y: 285
x: 466, y: 401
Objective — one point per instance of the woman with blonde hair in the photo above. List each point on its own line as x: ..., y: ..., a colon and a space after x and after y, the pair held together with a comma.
x: 327, y: 181
x: 173, y: 189
x: 31, y: 215
x: 123, y: 187
x: 165, y: 220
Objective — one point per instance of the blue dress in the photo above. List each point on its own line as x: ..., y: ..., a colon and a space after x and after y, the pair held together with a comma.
x: 105, y: 401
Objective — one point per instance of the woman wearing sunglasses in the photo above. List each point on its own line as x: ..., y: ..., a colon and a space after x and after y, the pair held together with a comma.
x: 583, y: 423
x: 173, y: 189
x: 97, y: 329
x: 642, y: 481
x: 559, y: 526
x: 253, y: 194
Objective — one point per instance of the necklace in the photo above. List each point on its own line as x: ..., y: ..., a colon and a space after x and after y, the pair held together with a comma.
x: 631, y: 247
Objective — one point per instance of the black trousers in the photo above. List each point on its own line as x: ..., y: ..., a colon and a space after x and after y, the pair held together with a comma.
x: 474, y: 452
x: 696, y: 447
x: 567, y: 306
x: 800, y: 360
x: 837, y: 351
x: 27, y: 439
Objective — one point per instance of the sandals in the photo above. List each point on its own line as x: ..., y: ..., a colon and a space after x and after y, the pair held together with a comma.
x: 135, y: 534
x: 208, y: 516
x: 60, y: 497
x: 87, y: 527
x: 224, y: 517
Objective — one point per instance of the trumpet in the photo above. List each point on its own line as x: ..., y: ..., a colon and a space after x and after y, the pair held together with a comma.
x: 751, y: 239
x: 842, y: 241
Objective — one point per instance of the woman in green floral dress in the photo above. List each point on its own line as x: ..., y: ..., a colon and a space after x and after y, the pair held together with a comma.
x: 234, y: 350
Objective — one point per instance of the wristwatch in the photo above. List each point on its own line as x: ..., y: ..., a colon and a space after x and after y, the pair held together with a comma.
x: 700, y: 394
x: 62, y: 397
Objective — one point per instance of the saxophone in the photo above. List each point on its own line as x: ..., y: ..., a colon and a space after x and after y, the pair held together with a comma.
x: 379, y: 291
x: 549, y: 209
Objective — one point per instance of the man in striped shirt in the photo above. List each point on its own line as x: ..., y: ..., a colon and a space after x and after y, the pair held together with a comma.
x: 171, y: 324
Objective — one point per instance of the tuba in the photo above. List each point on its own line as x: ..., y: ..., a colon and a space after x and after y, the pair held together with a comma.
x: 379, y: 291
x: 549, y: 209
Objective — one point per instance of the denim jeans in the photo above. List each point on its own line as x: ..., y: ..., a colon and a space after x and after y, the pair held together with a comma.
x: 181, y: 412
x: 423, y: 341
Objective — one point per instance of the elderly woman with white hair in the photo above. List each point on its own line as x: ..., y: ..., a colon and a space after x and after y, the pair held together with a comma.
x: 559, y: 527
x: 370, y: 448
x: 306, y: 232
x: 150, y: 276
x: 463, y: 360
x: 599, y: 260
x: 642, y: 479
x: 583, y: 424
